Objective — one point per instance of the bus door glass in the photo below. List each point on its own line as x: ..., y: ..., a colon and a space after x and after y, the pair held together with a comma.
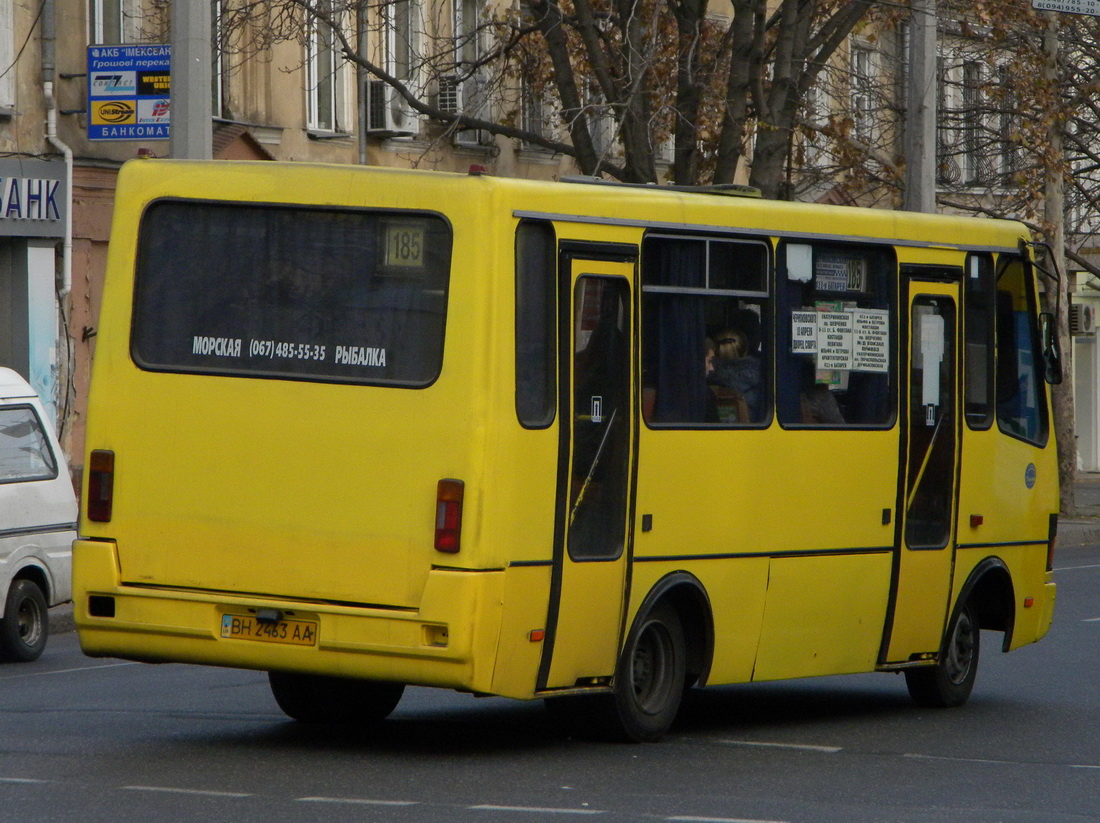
x: 595, y: 471
x: 929, y: 485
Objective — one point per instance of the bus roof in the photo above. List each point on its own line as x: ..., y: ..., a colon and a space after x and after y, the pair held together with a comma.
x: 573, y: 200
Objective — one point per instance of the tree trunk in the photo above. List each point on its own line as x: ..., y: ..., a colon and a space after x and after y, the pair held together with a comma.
x: 1054, y: 218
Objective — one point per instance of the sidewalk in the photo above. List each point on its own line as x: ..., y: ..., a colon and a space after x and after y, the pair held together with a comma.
x: 1084, y: 527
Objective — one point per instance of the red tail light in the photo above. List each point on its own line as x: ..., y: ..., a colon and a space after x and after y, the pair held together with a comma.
x: 101, y: 485
x: 448, y: 515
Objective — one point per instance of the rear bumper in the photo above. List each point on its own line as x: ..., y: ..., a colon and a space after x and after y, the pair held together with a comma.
x: 450, y: 641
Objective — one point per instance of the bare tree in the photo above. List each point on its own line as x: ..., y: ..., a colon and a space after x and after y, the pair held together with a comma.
x: 630, y: 81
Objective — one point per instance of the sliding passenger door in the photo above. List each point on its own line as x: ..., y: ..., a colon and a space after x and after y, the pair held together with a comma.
x: 595, y: 473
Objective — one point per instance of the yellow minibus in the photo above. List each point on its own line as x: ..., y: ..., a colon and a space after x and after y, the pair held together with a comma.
x: 363, y: 428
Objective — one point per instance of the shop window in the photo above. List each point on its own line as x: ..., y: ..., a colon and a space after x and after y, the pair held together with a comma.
x: 706, y: 335
x: 1021, y: 392
x: 835, y: 336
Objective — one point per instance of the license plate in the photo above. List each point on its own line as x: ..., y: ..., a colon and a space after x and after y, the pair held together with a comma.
x: 291, y: 632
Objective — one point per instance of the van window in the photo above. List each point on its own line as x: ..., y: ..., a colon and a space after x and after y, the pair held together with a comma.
x: 24, y: 448
x: 306, y: 293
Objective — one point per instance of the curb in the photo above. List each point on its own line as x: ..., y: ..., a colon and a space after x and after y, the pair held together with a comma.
x: 61, y: 619
x: 1078, y: 532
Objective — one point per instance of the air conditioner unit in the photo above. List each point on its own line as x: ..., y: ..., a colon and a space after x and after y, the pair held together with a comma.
x: 386, y: 116
x: 473, y: 100
x: 1082, y: 319
x: 449, y: 97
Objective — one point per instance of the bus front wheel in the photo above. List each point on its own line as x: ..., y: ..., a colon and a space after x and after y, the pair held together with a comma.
x: 649, y: 682
x: 951, y: 680
x: 314, y: 698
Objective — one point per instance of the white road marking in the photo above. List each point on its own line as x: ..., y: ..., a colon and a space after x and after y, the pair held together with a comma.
x: 21, y: 780
x: 689, y: 819
x: 961, y: 759
x: 796, y: 746
x: 175, y: 790
x: 536, y: 809
x: 70, y: 671
x: 1076, y: 568
x: 360, y: 801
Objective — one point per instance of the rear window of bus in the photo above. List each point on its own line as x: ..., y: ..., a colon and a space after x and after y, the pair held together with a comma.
x: 291, y: 292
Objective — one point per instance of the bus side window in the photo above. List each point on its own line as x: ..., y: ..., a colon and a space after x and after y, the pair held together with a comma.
x: 536, y: 309
x: 706, y: 329
x: 835, y: 335
x: 978, y: 318
x: 1021, y: 392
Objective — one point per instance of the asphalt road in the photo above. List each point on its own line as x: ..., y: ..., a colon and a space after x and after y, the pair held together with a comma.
x: 103, y: 740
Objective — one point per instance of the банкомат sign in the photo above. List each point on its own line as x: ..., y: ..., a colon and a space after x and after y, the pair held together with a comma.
x: 129, y: 92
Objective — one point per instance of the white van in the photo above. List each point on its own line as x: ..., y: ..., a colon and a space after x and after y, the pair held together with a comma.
x: 38, y: 512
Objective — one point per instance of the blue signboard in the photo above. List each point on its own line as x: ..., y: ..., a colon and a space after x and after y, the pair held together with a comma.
x: 129, y: 92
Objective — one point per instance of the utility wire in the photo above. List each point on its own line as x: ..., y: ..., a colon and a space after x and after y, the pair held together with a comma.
x: 23, y: 48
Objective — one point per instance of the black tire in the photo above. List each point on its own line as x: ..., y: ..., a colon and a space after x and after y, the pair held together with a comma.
x: 649, y: 681
x: 312, y: 698
x: 950, y: 681
x: 25, y: 626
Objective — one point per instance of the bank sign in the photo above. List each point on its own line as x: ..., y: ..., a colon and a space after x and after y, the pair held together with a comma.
x: 129, y: 92
x: 33, y: 198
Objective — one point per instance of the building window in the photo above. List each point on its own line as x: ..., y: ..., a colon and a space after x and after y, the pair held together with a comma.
x: 126, y: 21
x: 219, y: 62
x: 324, y: 75
x: 401, y: 40
x: 1009, y: 125
x: 973, y: 120
x: 862, y: 85
x: 7, y: 59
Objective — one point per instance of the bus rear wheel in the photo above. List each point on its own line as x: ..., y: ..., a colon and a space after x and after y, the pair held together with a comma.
x: 25, y: 625
x: 649, y: 682
x: 314, y: 698
x: 950, y: 681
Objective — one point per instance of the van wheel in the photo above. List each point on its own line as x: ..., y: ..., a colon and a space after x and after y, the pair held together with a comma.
x: 25, y: 625
x: 314, y: 698
x: 649, y: 682
x: 951, y: 680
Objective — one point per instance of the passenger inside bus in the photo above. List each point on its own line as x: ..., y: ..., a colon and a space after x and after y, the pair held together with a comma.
x: 819, y: 405
x: 736, y: 380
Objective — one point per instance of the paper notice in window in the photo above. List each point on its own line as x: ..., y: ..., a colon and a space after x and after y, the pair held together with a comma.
x: 872, y: 340
x: 804, y: 332
x: 835, y: 340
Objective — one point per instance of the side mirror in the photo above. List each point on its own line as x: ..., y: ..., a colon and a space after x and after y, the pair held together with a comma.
x: 1052, y: 352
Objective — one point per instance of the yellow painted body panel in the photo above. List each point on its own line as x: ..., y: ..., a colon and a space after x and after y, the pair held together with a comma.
x: 824, y: 615
x: 318, y: 499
